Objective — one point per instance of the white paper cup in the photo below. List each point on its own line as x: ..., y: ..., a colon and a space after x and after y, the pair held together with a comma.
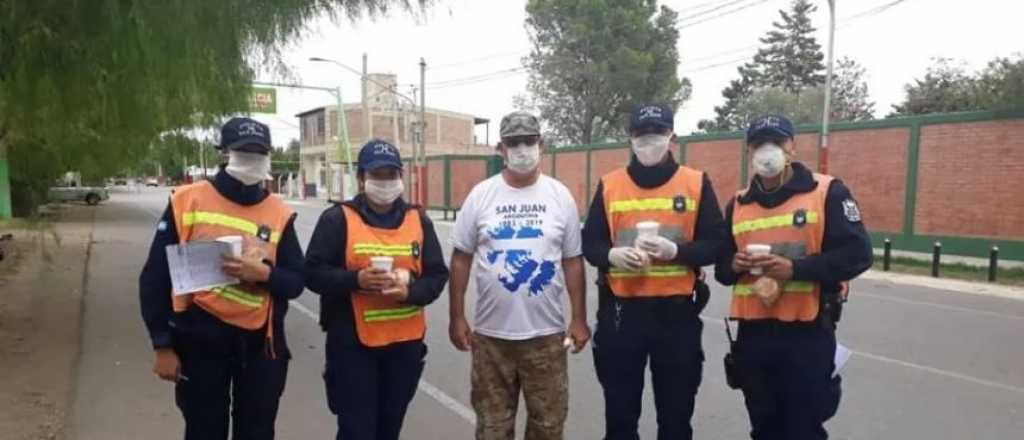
x: 647, y: 228
x: 382, y: 262
x: 236, y: 244
x: 758, y: 249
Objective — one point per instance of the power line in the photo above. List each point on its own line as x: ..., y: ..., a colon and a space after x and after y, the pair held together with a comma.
x: 724, y: 14
x: 482, y: 58
x: 721, y: 5
x: 491, y: 77
x: 474, y: 78
x: 844, y: 22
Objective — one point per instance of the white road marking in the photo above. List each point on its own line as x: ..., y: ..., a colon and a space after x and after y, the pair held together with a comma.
x: 464, y: 412
x: 935, y: 305
x: 912, y: 365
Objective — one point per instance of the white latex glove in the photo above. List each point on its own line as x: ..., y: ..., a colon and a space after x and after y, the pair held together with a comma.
x: 658, y: 247
x: 629, y: 258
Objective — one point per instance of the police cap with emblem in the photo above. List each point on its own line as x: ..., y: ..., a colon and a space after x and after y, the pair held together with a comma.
x: 378, y: 153
x: 769, y: 128
x: 651, y: 118
x: 245, y: 134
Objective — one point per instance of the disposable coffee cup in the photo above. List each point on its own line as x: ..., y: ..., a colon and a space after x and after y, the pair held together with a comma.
x: 647, y: 229
x: 236, y: 244
x: 382, y: 263
x: 756, y: 250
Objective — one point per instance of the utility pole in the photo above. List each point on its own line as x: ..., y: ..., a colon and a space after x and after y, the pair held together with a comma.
x: 368, y: 124
x: 827, y: 111
x: 423, y: 128
x: 5, y: 184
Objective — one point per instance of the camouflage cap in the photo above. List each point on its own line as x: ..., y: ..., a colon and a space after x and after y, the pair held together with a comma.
x: 519, y: 124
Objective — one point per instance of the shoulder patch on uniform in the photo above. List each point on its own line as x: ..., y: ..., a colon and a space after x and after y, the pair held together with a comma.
x: 162, y: 226
x: 851, y: 210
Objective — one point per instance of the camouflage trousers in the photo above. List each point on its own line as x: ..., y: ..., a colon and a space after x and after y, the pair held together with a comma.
x: 501, y: 368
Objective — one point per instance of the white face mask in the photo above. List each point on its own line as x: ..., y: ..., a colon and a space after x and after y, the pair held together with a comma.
x: 383, y: 192
x: 523, y: 158
x: 769, y: 160
x: 650, y: 149
x: 248, y: 168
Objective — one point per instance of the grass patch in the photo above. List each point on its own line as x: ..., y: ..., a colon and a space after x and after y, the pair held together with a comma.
x: 958, y: 271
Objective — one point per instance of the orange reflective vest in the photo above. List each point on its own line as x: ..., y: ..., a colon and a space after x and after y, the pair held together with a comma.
x: 794, y: 230
x: 674, y: 206
x: 203, y: 214
x: 380, y: 320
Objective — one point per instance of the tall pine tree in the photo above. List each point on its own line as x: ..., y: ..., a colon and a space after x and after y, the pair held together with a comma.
x: 791, y: 60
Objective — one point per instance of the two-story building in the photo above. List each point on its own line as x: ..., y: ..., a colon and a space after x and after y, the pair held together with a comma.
x: 391, y: 118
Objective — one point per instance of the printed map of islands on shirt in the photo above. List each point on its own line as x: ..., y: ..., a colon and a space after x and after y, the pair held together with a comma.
x: 518, y: 266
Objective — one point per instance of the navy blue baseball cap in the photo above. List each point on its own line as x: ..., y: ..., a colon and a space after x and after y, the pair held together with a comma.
x: 651, y: 116
x: 379, y: 153
x: 768, y: 128
x: 245, y: 134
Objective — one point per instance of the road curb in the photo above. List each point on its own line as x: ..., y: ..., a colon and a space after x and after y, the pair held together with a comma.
x: 960, y: 286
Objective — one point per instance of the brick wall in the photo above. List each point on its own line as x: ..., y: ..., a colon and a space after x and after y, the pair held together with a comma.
x: 571, y: 170
x: 603, y: 162
x: 469, y: 172
x: 721, y: 160
x: 970, y: 178
x: 435, y: 182
x: 873, y: 164
x: 455, y: 131
x: 968, y: 184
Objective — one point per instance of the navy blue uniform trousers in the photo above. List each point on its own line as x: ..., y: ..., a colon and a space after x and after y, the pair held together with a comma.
x: 787, y: 379
x: 369, y: 389
x: 629, y: 332
x: 231, y: 379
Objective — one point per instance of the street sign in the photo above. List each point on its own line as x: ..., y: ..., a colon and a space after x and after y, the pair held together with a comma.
x: 263, y: 100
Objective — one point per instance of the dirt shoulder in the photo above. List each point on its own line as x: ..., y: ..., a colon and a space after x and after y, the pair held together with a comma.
x: 41, y: 288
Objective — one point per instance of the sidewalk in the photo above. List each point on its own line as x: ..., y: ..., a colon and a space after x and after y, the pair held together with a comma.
x: 40, y: 315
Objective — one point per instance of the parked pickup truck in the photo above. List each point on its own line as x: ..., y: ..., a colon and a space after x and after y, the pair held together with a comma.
x: 88, y: 194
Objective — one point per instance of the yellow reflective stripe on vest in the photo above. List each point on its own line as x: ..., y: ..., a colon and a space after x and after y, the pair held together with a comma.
x: 790, y: 287
x: 218, y: 219
x: 777, y: 221
x: 390, y: 314
x: 397, y: 250
x: 655, y: 204
x: 239, y: 296
x: 651, y: 272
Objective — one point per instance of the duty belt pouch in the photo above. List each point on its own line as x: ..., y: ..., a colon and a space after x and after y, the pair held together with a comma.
x: 732, y: 373
x: 701, y: 295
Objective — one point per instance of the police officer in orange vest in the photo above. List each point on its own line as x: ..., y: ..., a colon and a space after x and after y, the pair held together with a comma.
x: 797, y: 236
x: 651, y: 226
x: 376, y: 262
x: 224, y: 348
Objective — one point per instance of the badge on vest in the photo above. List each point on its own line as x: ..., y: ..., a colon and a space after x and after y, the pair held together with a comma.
x: 679, y: 204
x: 851, y: 210
x: 415, y: 249
x: 800, y: 218
x: 263, y: 233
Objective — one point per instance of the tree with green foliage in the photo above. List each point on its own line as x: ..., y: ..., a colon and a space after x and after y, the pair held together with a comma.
x: 1001, y: 85
x: 287, y: 159
x: 592, y: 60
x: 88, y: 86
x: 947, y: 87
x: 790, y: 60
x: 851, y: 100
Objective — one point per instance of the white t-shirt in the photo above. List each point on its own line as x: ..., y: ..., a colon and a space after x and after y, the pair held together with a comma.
x: 519, y: 237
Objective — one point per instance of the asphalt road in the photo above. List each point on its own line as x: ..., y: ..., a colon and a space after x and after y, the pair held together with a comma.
x: 928, y: 363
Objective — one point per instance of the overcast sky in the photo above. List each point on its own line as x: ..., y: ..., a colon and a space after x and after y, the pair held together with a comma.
x: 485, y: 39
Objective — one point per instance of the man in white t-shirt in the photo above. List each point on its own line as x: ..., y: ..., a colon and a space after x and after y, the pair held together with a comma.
x: 521, y: 231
